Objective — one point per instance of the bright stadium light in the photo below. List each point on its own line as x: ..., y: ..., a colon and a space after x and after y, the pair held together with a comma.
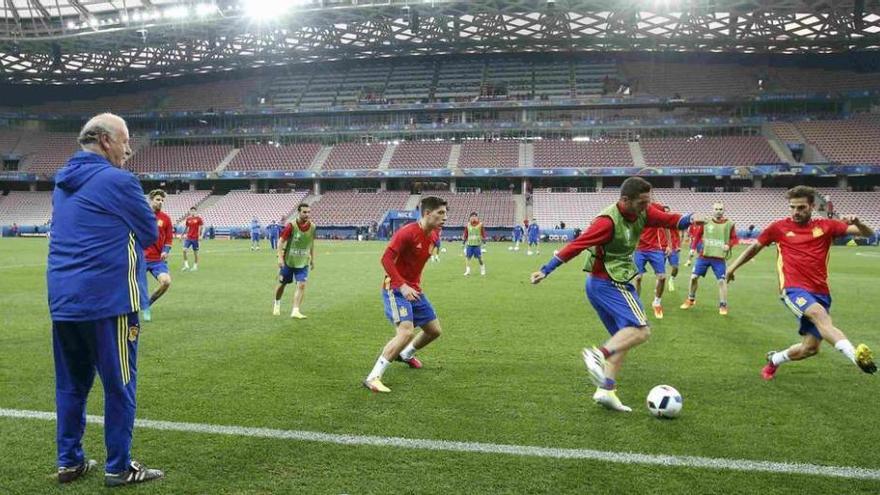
x: 177, y: 12
x: 267, y: 9
x: 71, y: 25
x: 205, y: 9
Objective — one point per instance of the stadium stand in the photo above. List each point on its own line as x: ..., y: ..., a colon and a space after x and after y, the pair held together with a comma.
x: 701, y: 151
x: 686, y: 80
x: 496, y: 208
x: 176, y: 206
x: 271, y: 157
x: 237, y: 208
x: 756, y: 207
x: 410, y: 154
x: 787, y: 132
x: 410, y: 82
x: 356, y: 209
x: 459, y: 79
x: 211, y: 96
x: 348, y: 156
x: 845, y: 141
x: 196, y: 158
x: 26, y: 208
x: 590, y: 79
x: 600, y: 153
x: 495, y: 154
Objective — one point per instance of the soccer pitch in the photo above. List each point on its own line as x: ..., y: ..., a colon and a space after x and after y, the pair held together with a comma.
x: 506, y: 372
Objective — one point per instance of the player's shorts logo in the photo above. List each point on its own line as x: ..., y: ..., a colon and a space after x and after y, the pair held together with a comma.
x: 800, y: 301
x: 133, y: 333
x: 403, y: 311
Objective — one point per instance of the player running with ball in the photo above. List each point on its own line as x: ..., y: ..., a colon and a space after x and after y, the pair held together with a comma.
x: 611, y: 239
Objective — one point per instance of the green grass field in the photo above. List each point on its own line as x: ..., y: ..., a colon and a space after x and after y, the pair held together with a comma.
x: 506, y: 371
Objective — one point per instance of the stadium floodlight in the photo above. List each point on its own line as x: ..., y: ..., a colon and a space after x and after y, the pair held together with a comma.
x: 71, y: 25
x: 205, y: 9
x: 177, y: 12
x: 268, y: 9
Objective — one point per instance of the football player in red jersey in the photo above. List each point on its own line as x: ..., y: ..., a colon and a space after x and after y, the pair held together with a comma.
x: 803, y: 245
x: 156, y: 255
x: 190, y: 238
x: 406, y: 306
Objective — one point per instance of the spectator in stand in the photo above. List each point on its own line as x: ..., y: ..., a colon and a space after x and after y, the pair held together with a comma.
x: 14, y: 229
x: 829, y: 206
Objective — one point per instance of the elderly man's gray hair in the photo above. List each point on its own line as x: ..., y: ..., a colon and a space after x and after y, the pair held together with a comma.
x: 105, y: 123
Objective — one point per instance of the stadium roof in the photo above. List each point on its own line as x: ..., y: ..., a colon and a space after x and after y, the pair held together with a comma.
x: 94, y: 41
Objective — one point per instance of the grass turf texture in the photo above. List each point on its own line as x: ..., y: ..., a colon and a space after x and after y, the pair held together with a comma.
x: 507, y: 370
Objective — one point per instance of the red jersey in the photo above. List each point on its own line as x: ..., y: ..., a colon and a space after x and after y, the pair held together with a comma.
x: 803, y: 250
x: 406, y: 255
x: 153, y: 252
x: 288, y: 229
x: 192, y: 227
x: 698, y: 237
x: 653, y: 239
x: 692, y: 234
x: 675, y: 239
x: 602, y: 229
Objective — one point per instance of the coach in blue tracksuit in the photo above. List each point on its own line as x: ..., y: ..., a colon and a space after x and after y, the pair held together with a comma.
x: 96, y: 278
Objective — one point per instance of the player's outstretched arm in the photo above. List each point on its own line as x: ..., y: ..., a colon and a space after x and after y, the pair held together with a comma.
x: 856, y: 227
x: 743, y: 258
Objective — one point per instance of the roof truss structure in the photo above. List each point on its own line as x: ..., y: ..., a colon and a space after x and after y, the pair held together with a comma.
x: 96, y: 41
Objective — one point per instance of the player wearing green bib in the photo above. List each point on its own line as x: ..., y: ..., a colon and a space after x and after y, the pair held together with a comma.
x: 610, y: 241
x: 714, y: 240
x: 474, y: 238
x: 296, y: 255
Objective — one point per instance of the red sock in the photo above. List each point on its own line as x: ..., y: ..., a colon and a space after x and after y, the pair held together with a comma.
x: 605, y: 352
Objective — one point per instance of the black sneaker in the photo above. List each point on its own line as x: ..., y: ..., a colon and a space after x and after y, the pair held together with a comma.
x: 136, y: 473
x: 68, y: 474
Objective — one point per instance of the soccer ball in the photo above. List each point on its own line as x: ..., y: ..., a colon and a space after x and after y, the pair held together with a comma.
x: 664, y: 402
x: 510, y: 248
x: 555, y: 252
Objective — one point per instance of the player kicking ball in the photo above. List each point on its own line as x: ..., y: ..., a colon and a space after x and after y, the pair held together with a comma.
x: 296, y: 256
x: 406, y: 307
x: 803, y: 245
x: 611, y: 240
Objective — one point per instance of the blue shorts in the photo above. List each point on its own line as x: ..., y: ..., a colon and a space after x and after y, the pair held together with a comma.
x: 473, y: 252
x: 255, y: 236
x: 437, y: 244
x: 672, y: 258
x: 156, y: 268
x: 533, y: 240
x: 617, y: 305
x: 657, y: 259
x: 719, y: 267
x: 189, y: 243
x: 398, y: 308
x: 287, y: 274
x: 798, y: 300
x: 517, y: 238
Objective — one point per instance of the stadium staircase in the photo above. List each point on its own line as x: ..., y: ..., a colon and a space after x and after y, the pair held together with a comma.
x: 526, y: 155
x: 386, y: 158
x: 412, y: 202
x: 521, y: 210
x: 777, y: 145
x: 206, y: 204
x: 637, y: 156
x: 321, y: 158
x: 227, y: 160
x: 454, y: 156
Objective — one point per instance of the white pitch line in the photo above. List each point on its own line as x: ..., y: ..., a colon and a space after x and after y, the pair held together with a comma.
x: 487, y: 448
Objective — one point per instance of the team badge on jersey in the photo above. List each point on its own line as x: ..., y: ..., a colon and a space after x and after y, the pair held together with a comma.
x: 133, y: 333
x: 160, y: 223
x: 818, y: 232
x: 789, y: 234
